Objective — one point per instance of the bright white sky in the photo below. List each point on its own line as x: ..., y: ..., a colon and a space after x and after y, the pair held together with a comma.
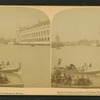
x: 76, y: 24
x: 71, y: 23
x: 12, y: 17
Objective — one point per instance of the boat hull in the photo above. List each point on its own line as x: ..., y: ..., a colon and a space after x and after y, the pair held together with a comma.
x: 10, y: 70
x: 12, y: 85
x: 84, y: 72
x: 77, y: 71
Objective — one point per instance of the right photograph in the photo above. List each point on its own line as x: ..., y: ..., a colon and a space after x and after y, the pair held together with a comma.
x: 76, y: 48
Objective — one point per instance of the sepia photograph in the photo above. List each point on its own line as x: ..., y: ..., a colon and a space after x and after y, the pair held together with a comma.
x: 76, y: 48
x: 49, y: 50
x: 24, y: 47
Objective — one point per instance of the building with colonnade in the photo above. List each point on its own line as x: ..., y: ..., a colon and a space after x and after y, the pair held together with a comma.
x: 36, y: 34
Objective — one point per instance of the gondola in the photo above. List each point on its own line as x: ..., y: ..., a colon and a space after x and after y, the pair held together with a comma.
x: 77, y: 71
x: 9, y: 70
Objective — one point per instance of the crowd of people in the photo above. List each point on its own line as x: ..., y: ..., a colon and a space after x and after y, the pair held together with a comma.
x: 67, y: 79
x: 3, y: 79
x: 71, y: 67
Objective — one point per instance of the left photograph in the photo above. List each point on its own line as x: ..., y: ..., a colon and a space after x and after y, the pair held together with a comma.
x: 24, y: 47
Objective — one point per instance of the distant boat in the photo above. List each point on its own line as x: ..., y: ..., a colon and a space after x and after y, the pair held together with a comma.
x: 10, y: 70
x: 58, y: 48
x: 11, y: 43
x: 94, y: 44
x: 57, y: 45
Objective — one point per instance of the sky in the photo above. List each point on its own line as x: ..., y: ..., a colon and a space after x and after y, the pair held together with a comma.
x: 52, y: 10
x: 77, y: 24
x: 70, y: 23
x: 13, y: 17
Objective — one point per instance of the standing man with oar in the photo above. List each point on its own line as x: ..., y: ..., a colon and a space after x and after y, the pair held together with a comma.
x: 59, y: 62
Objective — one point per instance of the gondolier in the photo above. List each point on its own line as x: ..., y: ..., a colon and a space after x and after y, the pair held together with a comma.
x: 10, y: 69
x: 59, y: 62
x: 90, y: 65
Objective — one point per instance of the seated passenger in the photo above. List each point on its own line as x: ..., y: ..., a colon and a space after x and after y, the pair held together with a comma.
x: 84, y: 67
x: 69, y: 80
x: 0, y: 78
x: 64, y: 77
x: 88, y: 81
x: 72, y: 67
x: 8, y: 63
x: 73, y: 80
x: 77, y: 80
x: 67, y: 67
x: 5, y: 79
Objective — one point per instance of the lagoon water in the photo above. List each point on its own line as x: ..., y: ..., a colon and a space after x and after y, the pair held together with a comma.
x: 78, y: 55
x: 35, y: 64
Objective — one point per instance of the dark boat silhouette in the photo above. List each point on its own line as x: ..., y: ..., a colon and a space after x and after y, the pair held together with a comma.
x: 10, y: 70
x: 83, y: 72
x: 77, y: 71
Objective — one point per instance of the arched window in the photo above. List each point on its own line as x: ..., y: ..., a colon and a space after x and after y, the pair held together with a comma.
x: 44, y: 33
x: 48, y: 39
x: 34, y: 34
x: 39, y: 39
x: 41, y: 33
x: 47, y: 32
x: 31, y: 34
